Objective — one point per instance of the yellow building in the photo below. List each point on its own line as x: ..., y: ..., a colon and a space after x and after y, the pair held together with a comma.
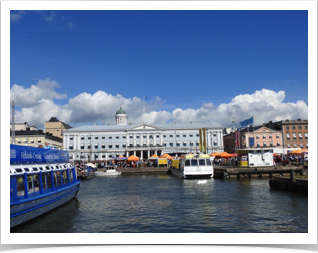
x: 55, y: 127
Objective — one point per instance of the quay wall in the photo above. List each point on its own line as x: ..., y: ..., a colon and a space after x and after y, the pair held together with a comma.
x: 286, y: 184
x: 143, y: 170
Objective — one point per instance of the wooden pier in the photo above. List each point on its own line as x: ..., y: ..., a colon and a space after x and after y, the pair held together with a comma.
x: 228, y: 172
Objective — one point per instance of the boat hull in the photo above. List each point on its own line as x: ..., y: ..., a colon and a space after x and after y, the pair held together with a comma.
x: 192, y: 174
x: 107, y: 173
x: 25, y: 211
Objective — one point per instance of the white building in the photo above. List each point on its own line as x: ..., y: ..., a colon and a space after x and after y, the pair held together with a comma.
x: 101, y: 142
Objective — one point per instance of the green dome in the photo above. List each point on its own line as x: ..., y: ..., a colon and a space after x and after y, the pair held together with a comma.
x: 120, y: 111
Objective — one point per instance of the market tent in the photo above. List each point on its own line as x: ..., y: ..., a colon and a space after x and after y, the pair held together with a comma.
x: 301, y: 151
x: 166, y: 156
x: 234, y: 155
x: 214, y: 154
x: 154, y: 156
x: 294, y: 151
x: 225, y: 155
x: 133, y: 158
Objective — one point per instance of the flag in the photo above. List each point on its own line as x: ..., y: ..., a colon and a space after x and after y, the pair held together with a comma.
x: 246, y: 122
x: 237, y: 140
x: 200, y: 140
x: 204, y: 140
x: 249, y: 121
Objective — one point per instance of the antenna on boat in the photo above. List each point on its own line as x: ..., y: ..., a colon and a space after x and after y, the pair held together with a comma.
x: 13, y: 125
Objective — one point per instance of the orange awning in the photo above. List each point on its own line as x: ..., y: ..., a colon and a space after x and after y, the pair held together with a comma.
x: 225, y: 155
x: 133, y: 158
x: 166, y: 156
x: 301, y: 151
x: 294, y: 151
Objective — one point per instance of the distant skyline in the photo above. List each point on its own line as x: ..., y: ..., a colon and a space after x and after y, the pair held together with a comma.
x: 183, y: 66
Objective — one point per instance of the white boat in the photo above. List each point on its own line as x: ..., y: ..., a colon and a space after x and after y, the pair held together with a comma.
x: 40, y: 180
x: 192, y: 166
x: 107, y: 171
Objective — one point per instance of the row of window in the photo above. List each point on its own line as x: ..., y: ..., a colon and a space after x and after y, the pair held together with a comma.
x: 258, y: 145
x: 300, y: 136
x: 138, y: 136
x: 294, y: 127
x: 265, y: 136
x: 110, y: 145
x: 33, y: 187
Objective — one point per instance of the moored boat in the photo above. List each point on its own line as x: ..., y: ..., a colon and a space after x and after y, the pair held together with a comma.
x: 192, y: 166
x: 40, y: 180
x: 107, y: 171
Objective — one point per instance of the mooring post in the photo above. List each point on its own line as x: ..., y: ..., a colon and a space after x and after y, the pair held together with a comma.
x: 292, y: 176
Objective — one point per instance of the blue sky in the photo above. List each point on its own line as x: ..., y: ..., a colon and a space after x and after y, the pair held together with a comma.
x: 202, y: 66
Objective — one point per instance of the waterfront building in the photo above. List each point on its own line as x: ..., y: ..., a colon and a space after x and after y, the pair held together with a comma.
x: 55, y: 127
x: 294, y: 132
x: 102, y: 142
x: 254, y: 138
x: 36, y: 138
x: 284, y: 136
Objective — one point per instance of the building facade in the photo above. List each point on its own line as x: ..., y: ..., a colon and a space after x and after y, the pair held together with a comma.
x: 284, y: 136
x: 55, y: 127
x: 261, y: 137
x: 36, y: 138
x: 102, y: 142
x: 295, y: 133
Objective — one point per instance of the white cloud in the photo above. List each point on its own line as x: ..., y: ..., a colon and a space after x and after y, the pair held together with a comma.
x: 26, y: 97
x: 16, y: 16
x: 265, y: 105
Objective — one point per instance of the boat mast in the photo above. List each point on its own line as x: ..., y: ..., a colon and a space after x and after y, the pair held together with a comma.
x: 13, y: 125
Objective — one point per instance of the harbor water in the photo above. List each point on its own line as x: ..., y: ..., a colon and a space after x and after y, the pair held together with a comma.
x: 162, y: 203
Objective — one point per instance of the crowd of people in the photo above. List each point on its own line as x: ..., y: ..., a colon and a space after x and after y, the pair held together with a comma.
x: 290, y: 159
x: 101, y: 164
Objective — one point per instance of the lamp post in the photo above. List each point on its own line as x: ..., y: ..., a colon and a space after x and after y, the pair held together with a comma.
x: 151, y: 143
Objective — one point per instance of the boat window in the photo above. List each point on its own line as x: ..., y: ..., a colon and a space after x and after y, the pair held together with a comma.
x: 71, y: 175
x: 44, y: 181
x: 54, y: 179
x: 187, y: 163
x: 49, y: 181
x: 201, y: 162
x: 208, y: 162
x: 30, y: 184
x: 52, y: 167
x: 20, y: 186
x: 26, y: 169
x: 35, y: 169
x: 36, y: 182
x: 58, y: 174
x: 18, y: 170
x: 47, y: 168
x: 194, y: 162
x: 64, y: 177
x: 40, y: 168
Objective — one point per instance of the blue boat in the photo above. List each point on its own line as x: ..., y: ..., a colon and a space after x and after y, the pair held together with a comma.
x: 40, y: 180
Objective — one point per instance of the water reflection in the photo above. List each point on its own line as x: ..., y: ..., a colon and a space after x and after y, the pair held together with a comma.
x: 165, y: 204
